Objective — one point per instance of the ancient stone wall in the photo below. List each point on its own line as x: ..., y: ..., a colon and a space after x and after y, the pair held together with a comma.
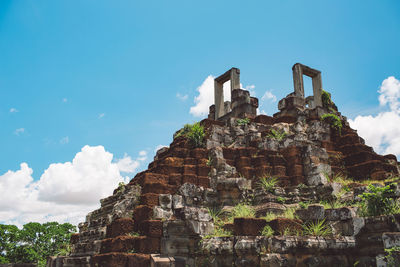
x: 166, y: 215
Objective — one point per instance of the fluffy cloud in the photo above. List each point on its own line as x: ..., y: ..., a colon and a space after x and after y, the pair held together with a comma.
x: 19, y: 131
x: 65, y: 191
x: 268, y: 95
x: 382, y: 131
x: 64, y: 140
x: 182, y: 97
x: 205, y: 97
x: 128, y: 165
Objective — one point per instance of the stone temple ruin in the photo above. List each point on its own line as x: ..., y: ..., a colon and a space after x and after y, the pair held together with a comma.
x: 181, y: 210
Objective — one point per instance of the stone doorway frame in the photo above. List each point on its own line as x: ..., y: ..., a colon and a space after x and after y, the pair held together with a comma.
x: 298, y: 71
x: 232, y: 75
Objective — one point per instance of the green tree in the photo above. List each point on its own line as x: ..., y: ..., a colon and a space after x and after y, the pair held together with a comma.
x: 8, y: 241
x: 34, y: 242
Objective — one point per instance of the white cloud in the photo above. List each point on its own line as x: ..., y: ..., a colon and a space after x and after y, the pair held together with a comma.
x: 128, y: 165
x: 64, y: 140
x: 101, y: 115
x: 182, y: 97
x: 268, y: 95
x: 390, y: 93
x: 65, y: 191
x: 382, y: 131
x: 19, y: 131
x: 64, y: 100
x: 205, y: 98
x: 13, y: 110
x: 250, y: 88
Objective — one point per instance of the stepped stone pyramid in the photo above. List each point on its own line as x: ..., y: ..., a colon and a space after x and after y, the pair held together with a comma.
x: 164, y: 216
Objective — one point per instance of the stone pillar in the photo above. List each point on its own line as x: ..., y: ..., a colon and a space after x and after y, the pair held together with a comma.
x: 298, y: 80
x: 235, y: 79
x: 219, y: 99
x: 317, y: 90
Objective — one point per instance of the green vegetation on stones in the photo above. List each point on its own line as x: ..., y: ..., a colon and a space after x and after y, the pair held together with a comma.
x: 334, y: 121
x: 304, y: 204
x: 326, y: 99
x: 194, y: 133
x: 244, y: 121
x: 378, y: 201
x: 280, y: 200
x: 209, y: 161
x: 243, y: 211
x: 289, y: 213
x: 278, y: 135
x: 390, y: 258
x: 267, y: 231
x: 182, y: 132
x: 218, y: 232
x: 121, y: 187
x: 134, y: 234
x: 318, y: 228
x: 333, y: 204
x: 216, y: 215
x: 267, y: 183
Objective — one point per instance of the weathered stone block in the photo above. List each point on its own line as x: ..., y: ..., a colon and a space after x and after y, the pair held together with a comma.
x: 149, y: 199
x: 161, y: 214
x: 177, y: 202
x: 152, y: 228
x: 313, y: 212
x: 248, y: 226
x: 120, y: 227
x: 165, y: 201
x: 340, y: 214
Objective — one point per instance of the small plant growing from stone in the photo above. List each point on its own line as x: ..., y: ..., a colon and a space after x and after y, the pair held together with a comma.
x: 318, y: 228
x: 182, y: 132
x: 216, y: 214
x: 242, y: 122
x: 196, y: 135
x: 287, y: 231
x: 270, y: 216
x: 278, y: 135
x: 267, y: 231
x: 268, y: 183
x: 218, y: 232
x: 303, y: 204
x: 390, y: 258
x: 280, y: 200
x: 243, y: 211
x: 134, y: 234
x: 334, y: 121
x: 378, y: 201
x: 209, y: 161
x: 301, y: 186
x: 121, y: 187
x: 289, y: 213
x: 326, y: 99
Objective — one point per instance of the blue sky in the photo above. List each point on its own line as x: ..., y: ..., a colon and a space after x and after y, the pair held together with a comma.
x: 107, y: 73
